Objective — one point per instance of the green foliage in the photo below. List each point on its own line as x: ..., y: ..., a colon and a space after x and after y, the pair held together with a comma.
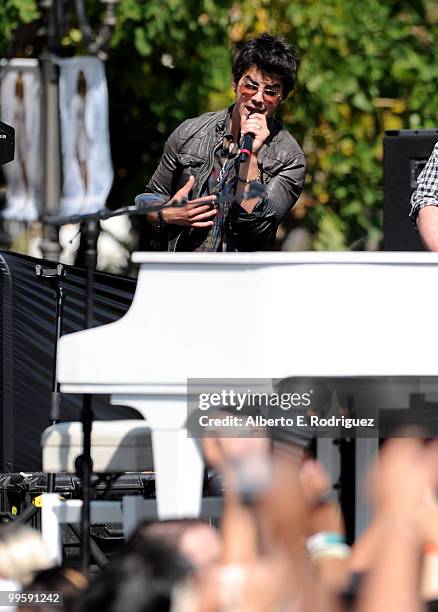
x: 14, y: 13
x: 169, y: 61
x: 367, y: 66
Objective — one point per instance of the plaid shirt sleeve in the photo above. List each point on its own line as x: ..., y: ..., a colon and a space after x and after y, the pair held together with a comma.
x: 426, y: 193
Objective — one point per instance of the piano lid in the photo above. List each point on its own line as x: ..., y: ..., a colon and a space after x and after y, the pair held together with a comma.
x: 203, y: 315
x: 283, y: 258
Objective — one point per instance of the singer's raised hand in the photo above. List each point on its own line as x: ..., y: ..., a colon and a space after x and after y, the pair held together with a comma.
x: 196, y: 213
x: 255, y: 124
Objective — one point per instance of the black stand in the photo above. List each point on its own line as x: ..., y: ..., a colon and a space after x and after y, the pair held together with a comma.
x: 91, y: 228
x: 54, y: 276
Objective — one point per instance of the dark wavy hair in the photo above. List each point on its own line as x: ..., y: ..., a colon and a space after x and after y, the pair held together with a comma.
x: 272, y: 55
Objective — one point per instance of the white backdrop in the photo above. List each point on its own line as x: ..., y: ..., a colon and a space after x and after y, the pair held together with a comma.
x: 20, y: 100
x: 86, y: 155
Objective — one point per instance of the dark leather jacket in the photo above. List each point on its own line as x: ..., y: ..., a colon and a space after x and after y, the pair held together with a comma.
x: 190, y: 150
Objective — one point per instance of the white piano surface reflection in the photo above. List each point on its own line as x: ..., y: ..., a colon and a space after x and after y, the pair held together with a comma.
x: 261, y: 315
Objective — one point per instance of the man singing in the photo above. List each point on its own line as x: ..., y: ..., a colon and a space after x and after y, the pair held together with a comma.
x: 200, y: 162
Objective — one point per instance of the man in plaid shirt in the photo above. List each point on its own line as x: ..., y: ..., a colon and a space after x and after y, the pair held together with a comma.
x: 424, y: 203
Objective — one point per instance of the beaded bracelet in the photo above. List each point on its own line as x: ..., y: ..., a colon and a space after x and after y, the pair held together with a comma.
x: 161, y: 222
x: 247, y: 182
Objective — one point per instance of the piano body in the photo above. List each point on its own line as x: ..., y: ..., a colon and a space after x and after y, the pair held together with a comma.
x: 260, y: 315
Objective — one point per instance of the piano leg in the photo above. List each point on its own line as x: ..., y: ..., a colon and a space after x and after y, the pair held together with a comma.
x: 178, y: 462
x: 51, y: 528
x: 179, y: 472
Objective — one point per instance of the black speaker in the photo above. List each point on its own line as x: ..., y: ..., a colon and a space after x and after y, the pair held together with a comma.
x: 405, y: 153
x: 7, y: 143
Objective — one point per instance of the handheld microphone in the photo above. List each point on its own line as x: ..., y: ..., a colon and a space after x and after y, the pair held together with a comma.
x: 246, y: 148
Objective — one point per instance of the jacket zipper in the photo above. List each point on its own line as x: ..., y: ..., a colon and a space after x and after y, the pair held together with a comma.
x: 207, y: 173
x: 200, y: 185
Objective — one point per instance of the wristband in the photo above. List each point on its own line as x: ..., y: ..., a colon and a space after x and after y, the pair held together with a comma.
x: 338, y: 551
x: 324, y: 540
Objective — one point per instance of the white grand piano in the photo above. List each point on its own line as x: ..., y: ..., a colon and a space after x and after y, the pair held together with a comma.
x: 261, y: 315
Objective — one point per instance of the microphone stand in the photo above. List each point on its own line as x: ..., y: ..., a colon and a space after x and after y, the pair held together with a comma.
x: 54, y: 276
x: 85, y: 465
x: 91, y: 225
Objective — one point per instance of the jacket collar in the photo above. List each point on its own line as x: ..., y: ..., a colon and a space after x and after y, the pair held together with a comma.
x: 223, y: 121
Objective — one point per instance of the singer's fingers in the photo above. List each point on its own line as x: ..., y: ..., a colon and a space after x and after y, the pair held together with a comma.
x: 193, y: 212
x: 202, y: 216
x: 202, y: 224
x: 185, y: 189
x: 255, y: 124
x: 247, y: 117
x: 257, y: 117
x: 199, y: 201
